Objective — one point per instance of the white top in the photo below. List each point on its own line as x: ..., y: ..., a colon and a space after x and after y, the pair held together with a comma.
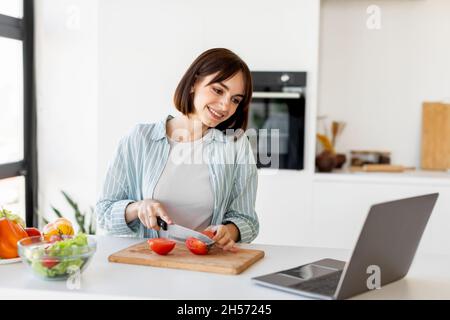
x: 427, y: 279
x: 184, y: 188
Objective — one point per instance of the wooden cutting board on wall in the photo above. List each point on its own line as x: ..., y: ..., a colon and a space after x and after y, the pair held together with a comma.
x: 216, y: 261
x: 435, y: 136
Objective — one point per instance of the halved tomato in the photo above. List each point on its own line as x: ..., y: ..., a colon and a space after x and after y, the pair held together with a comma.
x: 161, y: 246
x: 32, y: 232
x: 210, y: 234
x: 49, y: 262
x: 196, y: 246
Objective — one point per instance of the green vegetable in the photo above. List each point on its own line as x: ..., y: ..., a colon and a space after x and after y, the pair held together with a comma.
x: 12, y: 217
x: 61, y: 269
x: 62, y: 252
x: 69, y: 247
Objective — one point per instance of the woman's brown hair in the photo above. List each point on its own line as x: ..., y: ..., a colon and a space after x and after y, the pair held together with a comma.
x: 226, y: 64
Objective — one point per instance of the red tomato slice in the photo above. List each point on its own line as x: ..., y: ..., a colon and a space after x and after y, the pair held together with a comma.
x: 196, y: 246
x: 49, y: 262
x: 208, y: 233
x: 161, y: 246
x: 32, y: 232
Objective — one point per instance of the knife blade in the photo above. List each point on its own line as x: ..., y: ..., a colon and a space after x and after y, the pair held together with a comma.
x: 180, y: 233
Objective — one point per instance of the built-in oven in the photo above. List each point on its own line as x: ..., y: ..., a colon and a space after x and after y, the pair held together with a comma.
x: 277, y: 119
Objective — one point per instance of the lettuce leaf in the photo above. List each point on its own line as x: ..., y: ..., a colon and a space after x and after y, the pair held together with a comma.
x: 12, y: 217
x: 69, y: 247
x: 62, y: 249
x: 61, y: 269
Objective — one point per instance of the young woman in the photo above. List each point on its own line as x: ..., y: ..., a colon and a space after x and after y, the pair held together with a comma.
x: 196, y: 169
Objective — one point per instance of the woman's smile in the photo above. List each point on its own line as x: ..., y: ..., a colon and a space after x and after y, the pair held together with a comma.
x: 216, y: 102
x: 216, y: 115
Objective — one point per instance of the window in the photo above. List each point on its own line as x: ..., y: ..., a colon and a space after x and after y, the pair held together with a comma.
x: 12, y: 194
x: 11, y: 100
x: 18, y: 179
x: 12, y: 8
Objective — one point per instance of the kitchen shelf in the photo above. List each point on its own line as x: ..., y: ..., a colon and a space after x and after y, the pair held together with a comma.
x: 420, y: 177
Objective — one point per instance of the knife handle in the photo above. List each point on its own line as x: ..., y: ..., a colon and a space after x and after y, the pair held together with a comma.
x: 161, y: 223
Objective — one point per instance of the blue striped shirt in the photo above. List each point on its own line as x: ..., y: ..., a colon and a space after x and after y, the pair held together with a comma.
x: 139, y: 161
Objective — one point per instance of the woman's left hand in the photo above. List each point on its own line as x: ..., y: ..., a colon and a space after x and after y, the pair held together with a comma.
x: 225, y: 236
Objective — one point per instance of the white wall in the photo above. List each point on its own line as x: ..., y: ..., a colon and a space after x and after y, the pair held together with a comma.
x: 104, y: 65
x: 146, y: 46
x: 66, y: 77
x: 376, y: 80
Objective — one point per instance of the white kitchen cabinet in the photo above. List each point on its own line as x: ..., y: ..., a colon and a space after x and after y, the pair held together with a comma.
x: 341, y: 203
x: 283, y: 206
x: 328, y: 210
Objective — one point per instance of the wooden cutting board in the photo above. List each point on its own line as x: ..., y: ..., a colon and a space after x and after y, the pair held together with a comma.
x: 381, y: 168
x: 216, y: 261
x: 436, y: 136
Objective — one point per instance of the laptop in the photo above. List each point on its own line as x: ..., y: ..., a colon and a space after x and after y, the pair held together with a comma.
x: 383, y: 254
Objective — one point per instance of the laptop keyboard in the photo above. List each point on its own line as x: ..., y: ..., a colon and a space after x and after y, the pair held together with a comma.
x: 325, y: 285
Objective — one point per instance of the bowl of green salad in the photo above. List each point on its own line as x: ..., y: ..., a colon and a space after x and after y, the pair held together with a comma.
x: 57, y: 259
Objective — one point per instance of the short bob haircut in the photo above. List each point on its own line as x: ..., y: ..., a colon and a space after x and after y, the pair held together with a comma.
x: 226, y: 64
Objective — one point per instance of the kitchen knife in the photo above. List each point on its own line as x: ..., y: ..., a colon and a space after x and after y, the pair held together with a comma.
x: 180, y: 233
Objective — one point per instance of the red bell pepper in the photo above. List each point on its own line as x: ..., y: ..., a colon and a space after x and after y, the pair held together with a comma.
x: 10, y: 233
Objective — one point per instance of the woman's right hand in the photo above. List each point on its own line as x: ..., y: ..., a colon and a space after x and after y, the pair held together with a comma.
x: 147, y: 211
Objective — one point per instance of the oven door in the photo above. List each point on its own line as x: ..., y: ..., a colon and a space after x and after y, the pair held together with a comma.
x: 279, y: 121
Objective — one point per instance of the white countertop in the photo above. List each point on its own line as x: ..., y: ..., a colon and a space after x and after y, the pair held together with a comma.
x: 428, y: 278
x: 416, y: 177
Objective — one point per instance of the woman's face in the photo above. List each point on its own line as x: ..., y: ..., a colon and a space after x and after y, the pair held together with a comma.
x: 216, y: 102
